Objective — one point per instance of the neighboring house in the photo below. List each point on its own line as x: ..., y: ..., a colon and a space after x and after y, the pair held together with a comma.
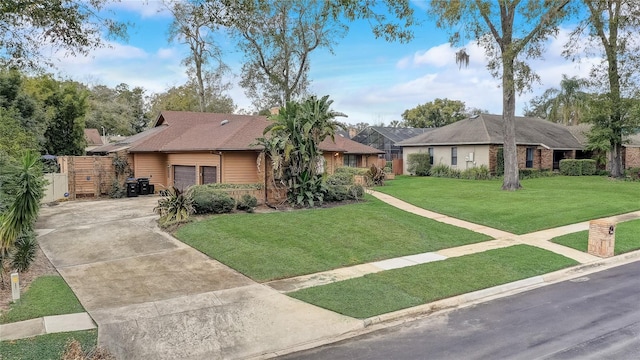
x: 187, y: 148
x: 631, y: 152
x: 475, y: 141
x: 386, y: 139
x: 630, y: 146
x: 93, y: 138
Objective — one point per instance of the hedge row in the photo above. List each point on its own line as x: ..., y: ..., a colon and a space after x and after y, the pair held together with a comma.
x: 578, y: 167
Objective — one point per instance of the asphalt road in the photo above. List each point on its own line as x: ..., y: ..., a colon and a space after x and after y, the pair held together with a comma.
x: 593, y: 317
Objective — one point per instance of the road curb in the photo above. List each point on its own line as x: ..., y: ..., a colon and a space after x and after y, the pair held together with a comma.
x: 421, y: 311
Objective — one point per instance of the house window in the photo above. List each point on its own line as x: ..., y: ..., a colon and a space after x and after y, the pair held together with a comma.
x: 430, y: 156
x: 529, y: 163
x: 454, y: 156
x: 350, y: 160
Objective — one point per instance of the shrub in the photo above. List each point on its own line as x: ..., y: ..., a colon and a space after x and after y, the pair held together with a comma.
x: 418, y: 164
x: 589, y: 167
x: 175, y: 206
x: 208, y: 200
x: 632, y: 174
x: 500, y: 162
x: 534, y: 173
x: 117, y: 189
x: 375, y: 176
x: 341, y: 178
x: 351, y: 170
x: 577, y: 167
x: 439, y: 170
x: 476, y: 173
x: 344, y: 192
x: 24, y: 251
x: 247, y: 203
x: 570, y: 167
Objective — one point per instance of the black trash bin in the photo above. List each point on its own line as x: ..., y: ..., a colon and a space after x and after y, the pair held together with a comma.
x: 152, y: 189
x: 143, y: 186
x: 132, y: 187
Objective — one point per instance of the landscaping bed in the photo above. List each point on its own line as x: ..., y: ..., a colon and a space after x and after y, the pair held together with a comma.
x: 392, y: 290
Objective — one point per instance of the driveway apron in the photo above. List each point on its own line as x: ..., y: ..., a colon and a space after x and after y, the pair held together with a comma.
x: 154, y: 297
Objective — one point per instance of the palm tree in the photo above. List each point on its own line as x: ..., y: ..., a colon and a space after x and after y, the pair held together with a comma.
x: 293, y: 146
x: 566, y: 105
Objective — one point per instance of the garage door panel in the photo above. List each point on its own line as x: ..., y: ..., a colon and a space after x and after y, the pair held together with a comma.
x: 184, y: 176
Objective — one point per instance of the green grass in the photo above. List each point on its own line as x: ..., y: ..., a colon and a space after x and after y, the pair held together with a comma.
x: 392, y: 290
x: 542, y: 203
x: 46, y: 347
x: 286, y: 244
x: 627, y: 238
x: 47, y: 295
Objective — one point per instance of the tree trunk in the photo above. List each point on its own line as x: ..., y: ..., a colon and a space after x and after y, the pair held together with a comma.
x: 615, y: 160
x: 511, y: 180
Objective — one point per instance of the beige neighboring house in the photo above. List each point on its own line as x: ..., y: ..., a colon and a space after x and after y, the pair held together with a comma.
x: 188, y: 148
x: 475, y: 141
x: 93, y: 138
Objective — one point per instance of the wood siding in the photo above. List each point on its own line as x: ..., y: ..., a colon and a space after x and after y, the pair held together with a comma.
x: 240, y: 167
x: 152, y: 166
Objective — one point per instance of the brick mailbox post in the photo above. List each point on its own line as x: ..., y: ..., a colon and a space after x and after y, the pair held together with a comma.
x: 602, y: 237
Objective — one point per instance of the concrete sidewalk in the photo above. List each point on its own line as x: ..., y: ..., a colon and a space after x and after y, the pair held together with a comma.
x: 46, y: 325
x: 539, y: 239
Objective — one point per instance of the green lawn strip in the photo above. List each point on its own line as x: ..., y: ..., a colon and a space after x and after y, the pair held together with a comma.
x: 627, y: 238
x: 541, y: 204
x: 46, y: 296
x: 46, y: 347
x: 392, y: 290
x: 286, y: 244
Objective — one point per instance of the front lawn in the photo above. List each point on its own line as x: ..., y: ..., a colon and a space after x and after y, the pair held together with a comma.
x: 392, y: 290
x: 286, y: 244
x: 543, y: 203
x: 627, y: 238
x: 46, y: 296
x: 46, y: 347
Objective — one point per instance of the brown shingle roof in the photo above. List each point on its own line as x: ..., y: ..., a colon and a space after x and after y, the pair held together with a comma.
x: 487, y: 129
x: 183, y: 131
x: 193, y: 131
x: 93, y: 137
x: 349, y: 146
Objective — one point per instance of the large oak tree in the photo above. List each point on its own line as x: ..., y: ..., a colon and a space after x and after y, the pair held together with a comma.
x: 510, y: 31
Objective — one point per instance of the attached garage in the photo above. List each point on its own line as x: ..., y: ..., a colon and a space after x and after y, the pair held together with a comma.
x: 184, y: 176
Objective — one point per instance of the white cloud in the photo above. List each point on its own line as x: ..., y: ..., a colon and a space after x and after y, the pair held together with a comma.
x: 146, y: 8
x: 167, y: 53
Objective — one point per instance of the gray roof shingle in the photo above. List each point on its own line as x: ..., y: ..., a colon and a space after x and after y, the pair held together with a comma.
x: 487, y: 129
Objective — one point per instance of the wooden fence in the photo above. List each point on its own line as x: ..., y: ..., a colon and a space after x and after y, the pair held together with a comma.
x: 89, y: 176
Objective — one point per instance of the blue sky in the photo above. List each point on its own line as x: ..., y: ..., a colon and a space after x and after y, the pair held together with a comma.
x: 369, y: 79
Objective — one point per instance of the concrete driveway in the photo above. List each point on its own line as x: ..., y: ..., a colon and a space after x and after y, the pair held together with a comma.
x: 154, y: 297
